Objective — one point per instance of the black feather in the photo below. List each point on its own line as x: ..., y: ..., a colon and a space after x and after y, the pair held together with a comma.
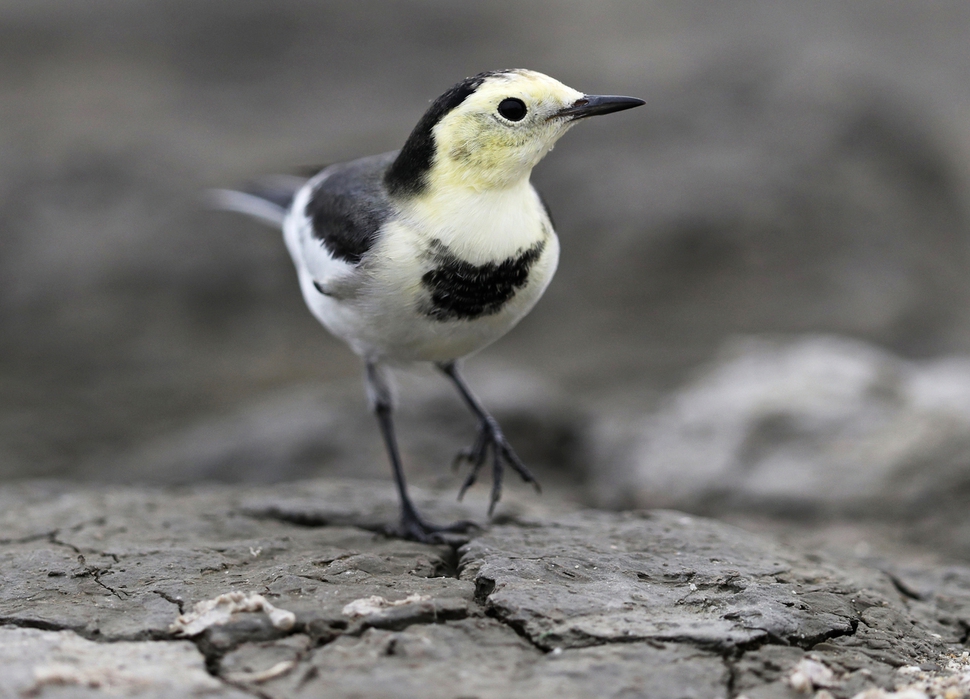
x: 407, y: 176
x: 463, y: 291
x: 349, y: 206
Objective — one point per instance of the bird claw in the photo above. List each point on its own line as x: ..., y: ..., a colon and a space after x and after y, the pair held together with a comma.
x: 413, y: 528
x: 490, y: 438
x: 475, y: 454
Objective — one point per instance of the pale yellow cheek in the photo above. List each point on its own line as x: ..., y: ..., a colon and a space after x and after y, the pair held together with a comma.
x: 484, y: 144
x: 480, y: 153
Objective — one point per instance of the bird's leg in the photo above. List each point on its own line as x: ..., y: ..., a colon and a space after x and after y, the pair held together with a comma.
x: 412, y: 525
x: 489, y: 437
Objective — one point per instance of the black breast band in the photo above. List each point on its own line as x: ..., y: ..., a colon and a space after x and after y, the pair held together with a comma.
x: 463, y: 291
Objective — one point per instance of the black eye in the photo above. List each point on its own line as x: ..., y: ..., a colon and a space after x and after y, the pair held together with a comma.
x: 512, y: 109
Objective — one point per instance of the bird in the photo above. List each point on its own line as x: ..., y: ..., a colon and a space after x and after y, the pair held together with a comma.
x: 432, y: 252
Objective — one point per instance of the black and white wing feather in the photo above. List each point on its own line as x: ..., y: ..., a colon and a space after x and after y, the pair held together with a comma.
x: 336, y: 219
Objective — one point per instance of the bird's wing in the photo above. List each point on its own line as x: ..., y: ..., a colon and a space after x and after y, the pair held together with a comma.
x: 336, y: 219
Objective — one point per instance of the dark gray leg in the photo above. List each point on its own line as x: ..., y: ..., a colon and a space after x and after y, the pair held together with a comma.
x: 489, y: 437
x: 411, y: 525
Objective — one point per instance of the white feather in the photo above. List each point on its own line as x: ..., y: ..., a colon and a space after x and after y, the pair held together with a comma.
x: 249, y: 204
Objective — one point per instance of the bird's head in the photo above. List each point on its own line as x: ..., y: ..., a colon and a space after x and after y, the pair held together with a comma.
x: 490, y: 130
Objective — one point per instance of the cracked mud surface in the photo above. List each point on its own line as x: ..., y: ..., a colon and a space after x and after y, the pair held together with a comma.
x: 546, y: 604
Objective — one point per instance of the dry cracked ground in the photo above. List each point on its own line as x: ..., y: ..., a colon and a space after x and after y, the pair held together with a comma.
x: 99, y: 590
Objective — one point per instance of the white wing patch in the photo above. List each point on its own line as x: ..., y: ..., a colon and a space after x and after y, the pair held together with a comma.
x: 325, y: 274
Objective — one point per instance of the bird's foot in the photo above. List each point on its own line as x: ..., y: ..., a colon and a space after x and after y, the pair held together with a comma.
x: 414, y: 528
x: 491, y: 439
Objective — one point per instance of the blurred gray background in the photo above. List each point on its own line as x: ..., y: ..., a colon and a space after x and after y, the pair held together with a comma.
x: 763, y: 302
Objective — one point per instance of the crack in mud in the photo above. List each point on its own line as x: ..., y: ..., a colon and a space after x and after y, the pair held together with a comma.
x: 52, y: 537
x: 96, y: 574
x: 316, y: 520
x: 904, y: 589
x: 42, y: 625
x: 28, y: 539
x: 518, y: 628
x: 808, y: 644
x: 172, y: 600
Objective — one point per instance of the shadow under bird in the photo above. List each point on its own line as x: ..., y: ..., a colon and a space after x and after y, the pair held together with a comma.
x: 432, y: 252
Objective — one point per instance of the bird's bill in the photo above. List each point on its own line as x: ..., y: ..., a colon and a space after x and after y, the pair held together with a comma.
x: 592, y: 105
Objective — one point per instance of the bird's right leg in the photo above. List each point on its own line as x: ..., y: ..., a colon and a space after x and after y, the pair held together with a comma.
x: 411, y: 526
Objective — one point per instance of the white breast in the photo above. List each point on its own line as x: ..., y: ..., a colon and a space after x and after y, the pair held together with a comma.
x: 481, y: 226
x: 386, y: 317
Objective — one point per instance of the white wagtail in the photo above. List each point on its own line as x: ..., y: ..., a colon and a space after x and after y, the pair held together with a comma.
x: 432, y: 252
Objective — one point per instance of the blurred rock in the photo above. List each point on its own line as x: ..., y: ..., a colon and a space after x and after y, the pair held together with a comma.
x: 811, y: 426
x: 329, y: 430
x: 799, y: 166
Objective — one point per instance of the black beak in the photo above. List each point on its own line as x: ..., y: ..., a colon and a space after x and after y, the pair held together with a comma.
x: 591, y: 105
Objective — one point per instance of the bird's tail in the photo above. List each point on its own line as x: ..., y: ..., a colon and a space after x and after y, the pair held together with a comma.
x: 267, y: 199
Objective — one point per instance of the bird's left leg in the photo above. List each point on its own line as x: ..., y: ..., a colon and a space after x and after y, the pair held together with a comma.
x: 490, y: 438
